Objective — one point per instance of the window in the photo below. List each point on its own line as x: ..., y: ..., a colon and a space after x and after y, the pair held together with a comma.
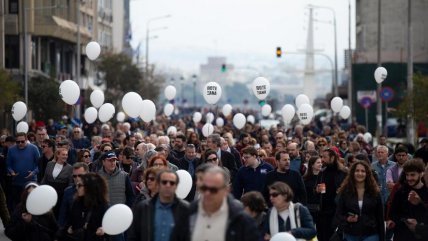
x: 13, y: 7
x: 12, y: 51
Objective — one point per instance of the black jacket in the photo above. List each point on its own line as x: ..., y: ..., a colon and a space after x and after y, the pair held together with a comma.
x: 142, y: 228
x: 41, y: 228
x: 239, y: 225
x: 370, y: 218
x: 228, y: 161
x: 333, y: 177
x: 293, y: 179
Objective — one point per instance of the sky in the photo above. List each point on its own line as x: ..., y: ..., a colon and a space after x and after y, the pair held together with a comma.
x: 246, y: 32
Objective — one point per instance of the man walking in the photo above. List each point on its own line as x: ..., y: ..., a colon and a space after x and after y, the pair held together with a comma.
x: 156, y: 219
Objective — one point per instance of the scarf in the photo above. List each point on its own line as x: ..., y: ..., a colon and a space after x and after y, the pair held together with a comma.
x: 273, y: 219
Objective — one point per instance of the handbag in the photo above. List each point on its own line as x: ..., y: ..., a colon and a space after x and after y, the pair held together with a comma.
x: 313, y: 207
x: 337, y: 235
x: 77, y: 234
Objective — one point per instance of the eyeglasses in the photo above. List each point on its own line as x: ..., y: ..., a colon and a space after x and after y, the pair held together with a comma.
x: 43, y: 146
x: 20, y: 142
x: 274, y: 194
x: 86, y: 156
x: 212, y: 190
x: 150, y: 179
x: 171, y: 183
x: 212, y: 159
x: 77, y: 175
x: 79, y: 185
x: 322, y: 144
x: 246, y: 157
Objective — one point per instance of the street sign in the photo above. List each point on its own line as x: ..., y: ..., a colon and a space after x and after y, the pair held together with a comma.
x: 366, y: 102
x: 386, y: 94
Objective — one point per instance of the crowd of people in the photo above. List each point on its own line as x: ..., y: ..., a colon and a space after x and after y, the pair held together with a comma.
x: 314, y: 182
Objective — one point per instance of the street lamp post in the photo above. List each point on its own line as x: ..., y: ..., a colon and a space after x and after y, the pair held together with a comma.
x: 194, y: 78
x: 335, y: 84
x: 148, y: 37
x: 350, y: 103
x: 410, y: 116
x: 379, y: 63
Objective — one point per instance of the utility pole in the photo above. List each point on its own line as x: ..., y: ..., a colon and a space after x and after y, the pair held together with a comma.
x: 379, y: 63
x: 350, y: 83
x: 79, y: 106
x: 410, y: 116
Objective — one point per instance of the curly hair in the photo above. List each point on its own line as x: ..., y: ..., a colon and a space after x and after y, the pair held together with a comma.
x: 370, y: 184
x: 96, y: 190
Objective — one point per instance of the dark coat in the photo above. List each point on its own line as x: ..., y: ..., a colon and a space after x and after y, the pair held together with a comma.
x: 370, y: 218
x: 41, y: 228
x: 239, y: 225
x: 142, y: 228
x: 228, y: 161
x: 78, y: 218
x: 237, y: 156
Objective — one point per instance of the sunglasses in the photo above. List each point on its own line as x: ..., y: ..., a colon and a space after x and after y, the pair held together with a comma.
x: 274, y: 194
x: 212, y: 190
x: 20, y: 142
x: 150, y: 179
x: 212, y: 159
x: 86, y: 156
x: 79, y: 185
x: 166, y: 182
x: 77, y: 175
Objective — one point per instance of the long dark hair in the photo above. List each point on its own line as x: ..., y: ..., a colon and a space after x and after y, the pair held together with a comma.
x: 370, y: 184
x: 310, y: 171
x: 96, y: 191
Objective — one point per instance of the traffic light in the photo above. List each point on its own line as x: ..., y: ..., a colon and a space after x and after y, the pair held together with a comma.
x: 278, y: 52
x: 223, y: 68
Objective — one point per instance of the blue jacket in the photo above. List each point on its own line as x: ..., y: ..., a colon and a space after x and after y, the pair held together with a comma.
x: 23, y: 161
x: 249, y: 179
x: 67, y: 201
x: 381, y: 175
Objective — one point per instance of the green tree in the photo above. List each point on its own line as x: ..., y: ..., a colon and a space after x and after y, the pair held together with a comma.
x: 44, y: 99
x: 122, y: 76
x: 9, y: 90
x: 420, y: 92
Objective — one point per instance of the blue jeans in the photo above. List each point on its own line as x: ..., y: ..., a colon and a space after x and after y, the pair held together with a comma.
x: 374, y: 237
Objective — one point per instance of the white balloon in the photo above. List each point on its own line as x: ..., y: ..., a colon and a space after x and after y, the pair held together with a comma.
x: 168, y: 109
x: 239, y: 120
x: 302, y: 99
x: 171, y: 130
x: 336, y: 104
x: 93, y: 50
x: 185, y: 184
x: 288, y: 113
x: 251, y: 119
x: 120, y: 116
x: 345, y: 112
x: 148, y: 111
x: 117, y: 219
x: 69, y: 92
x: 41, y: 200
x: 266, y: 109
x: 212, y: 92
x: 131, y: 104
x: 97, y: 98
x: 207, y: 129
x: 91, y: 115
x: 305, y: 113
x: 170, y: 92
x: 197, y: 116
x: 209, y: 117
x: 22, y: 127
x: 19, y: 110
x: 106, y: 112
x: 368, y: 137
x: 219, y: 122
x: 380, y: 74
x: 227, y: 109
x: 283, y: 237
x: 261, y: 87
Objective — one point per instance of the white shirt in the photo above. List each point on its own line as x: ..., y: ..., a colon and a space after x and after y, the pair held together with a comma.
x: 284, y: 215
x: 57, y: 169
x: 211, y: 227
